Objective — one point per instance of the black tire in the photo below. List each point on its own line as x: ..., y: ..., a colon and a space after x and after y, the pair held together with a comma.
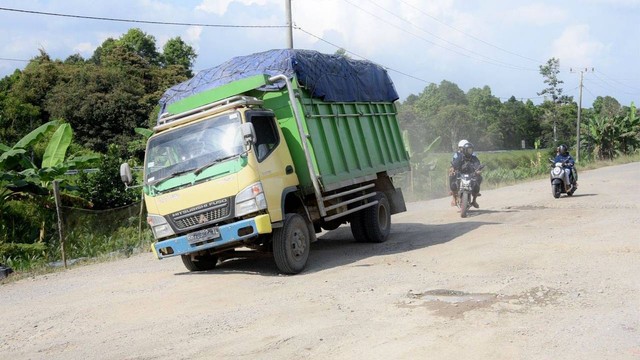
x: 556, y: 190
x: 377, y: 219
x: 464, y: 204
x: 291, y: 244
x: 358, y: 227
x: 199, y: 262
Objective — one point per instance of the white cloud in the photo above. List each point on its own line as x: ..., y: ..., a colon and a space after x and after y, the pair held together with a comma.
x: 220, y: 7
x: 193, y: 34
x: 371, y: 28
x: 85, y: 49
x: 536, y: 14
x: 576, y: 48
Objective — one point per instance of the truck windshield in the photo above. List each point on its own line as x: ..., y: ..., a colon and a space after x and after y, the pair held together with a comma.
x: 192, y: 147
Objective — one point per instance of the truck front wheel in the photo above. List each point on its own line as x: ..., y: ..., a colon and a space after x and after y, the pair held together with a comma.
x: 291, y: 244
x: 199, y: 262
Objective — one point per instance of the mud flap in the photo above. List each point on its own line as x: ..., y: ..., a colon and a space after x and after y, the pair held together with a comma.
x: 396, y: 200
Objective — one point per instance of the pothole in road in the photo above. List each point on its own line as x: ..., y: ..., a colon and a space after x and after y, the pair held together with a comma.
x: 450, y: 303
x: 453, y: 303
x: 451, y: 296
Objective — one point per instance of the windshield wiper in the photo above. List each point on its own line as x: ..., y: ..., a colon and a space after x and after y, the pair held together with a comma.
x: 216, y: 161
x: 172, y: 175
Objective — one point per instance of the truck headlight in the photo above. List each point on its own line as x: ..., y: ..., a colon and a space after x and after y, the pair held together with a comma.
x: 159, y: 226
x: 250, y: 199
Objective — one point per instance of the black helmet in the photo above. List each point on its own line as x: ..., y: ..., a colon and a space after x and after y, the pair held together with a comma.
x: 467, y: 149
x: 563, y: 149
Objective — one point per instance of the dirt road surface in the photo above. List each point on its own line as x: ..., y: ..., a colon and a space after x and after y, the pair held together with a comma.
x: 526, y: 276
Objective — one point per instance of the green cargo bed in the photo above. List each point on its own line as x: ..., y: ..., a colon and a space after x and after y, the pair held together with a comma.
x: 350, y: 142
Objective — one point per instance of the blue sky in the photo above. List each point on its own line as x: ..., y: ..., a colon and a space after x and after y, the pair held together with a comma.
x: 496, y: 43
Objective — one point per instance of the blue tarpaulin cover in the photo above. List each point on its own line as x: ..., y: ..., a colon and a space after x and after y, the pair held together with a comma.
x: 328, y: 77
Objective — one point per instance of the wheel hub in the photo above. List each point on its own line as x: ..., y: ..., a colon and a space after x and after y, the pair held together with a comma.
x: 297, y: 244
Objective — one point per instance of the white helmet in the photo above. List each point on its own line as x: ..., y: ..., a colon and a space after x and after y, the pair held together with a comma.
x: 462, y: 143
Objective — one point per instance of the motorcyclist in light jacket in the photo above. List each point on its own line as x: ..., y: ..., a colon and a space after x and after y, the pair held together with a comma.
x: 452, y: 173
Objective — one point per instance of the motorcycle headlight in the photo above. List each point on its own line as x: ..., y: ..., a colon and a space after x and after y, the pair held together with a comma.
x: 250, y: 199
x: 159, y: 226
x: 557, y: 171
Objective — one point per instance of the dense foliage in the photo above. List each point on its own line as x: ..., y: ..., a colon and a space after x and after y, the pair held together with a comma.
x: 444, y: 111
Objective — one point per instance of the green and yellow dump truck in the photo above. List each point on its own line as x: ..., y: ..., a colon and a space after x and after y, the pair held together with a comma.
x: 264, y: 151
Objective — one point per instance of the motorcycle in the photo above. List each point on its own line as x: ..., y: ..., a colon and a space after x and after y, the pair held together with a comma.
x: 466, y: 183
x: 560, y: 179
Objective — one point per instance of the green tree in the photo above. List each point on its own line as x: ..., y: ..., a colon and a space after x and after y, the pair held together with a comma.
x: 428, y: 106
x: 516, y: 123
x: 104, y: 188
x: 103, y: 50
x: 32, y: 87
x: 177, y: 52
x: 435, y: 97
x: 103, y: 104
x: 142, y: 44
x: 607, y: 106
x: 485, y: 108
x: 454, y: 122
x: 16, y: 115
x: 553, y: 94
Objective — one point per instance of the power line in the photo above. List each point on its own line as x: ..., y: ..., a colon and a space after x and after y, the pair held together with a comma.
x: 616, y: 87
x: 470, y: 35
x: 362, y: 57
x: 139, y: 21
x: 296, y: 27
x: 486, y: 59
x: 618, y: 82
x: 8, y: 59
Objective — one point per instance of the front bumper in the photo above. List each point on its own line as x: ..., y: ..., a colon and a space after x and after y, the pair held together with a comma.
x: 229, y: 234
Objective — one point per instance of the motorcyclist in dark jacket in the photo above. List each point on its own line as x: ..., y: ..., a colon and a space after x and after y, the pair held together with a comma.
x: 565, y: 158
x: 468, y: 163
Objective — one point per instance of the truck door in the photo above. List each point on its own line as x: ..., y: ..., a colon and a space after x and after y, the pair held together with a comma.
x: 275, y: 165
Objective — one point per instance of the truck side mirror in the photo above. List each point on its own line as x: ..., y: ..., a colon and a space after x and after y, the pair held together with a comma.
x: 248, y: 134
x: 125, y: 174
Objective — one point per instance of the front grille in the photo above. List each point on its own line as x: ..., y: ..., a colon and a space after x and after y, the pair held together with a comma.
x: 202, y: 214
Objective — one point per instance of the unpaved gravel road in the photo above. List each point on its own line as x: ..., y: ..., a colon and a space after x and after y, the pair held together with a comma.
x: 524, y: 277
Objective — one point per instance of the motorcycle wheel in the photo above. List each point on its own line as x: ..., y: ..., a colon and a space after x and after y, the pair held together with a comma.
x: 464, y: 204
x: 556, y: 190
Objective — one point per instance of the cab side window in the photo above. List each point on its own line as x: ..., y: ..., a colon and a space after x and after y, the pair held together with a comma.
x: 266, y: 135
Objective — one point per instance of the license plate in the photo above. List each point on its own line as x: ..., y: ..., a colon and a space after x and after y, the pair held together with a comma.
x: 203, y: 235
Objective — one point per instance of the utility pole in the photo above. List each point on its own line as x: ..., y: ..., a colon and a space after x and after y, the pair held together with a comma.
x: 289, y: 24
x: 579, y: 113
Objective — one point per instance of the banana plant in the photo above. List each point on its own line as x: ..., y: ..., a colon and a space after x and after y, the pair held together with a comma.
x: 22, y: 175
x: 22, y: 179
x: 419, y: 159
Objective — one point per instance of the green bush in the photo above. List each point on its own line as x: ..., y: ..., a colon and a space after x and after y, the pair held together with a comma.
x: 20, y: 256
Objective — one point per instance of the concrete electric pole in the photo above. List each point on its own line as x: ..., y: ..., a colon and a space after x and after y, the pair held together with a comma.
x: 289, y: 24
x: 582, y: 71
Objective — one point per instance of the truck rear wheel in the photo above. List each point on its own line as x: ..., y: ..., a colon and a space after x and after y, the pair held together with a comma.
x: 199, y: 262
x: 291, y: 244
x: 377, y: 219
x: 373, y: 224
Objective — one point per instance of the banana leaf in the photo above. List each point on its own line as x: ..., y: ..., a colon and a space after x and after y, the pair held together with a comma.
x: 57, y: 148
